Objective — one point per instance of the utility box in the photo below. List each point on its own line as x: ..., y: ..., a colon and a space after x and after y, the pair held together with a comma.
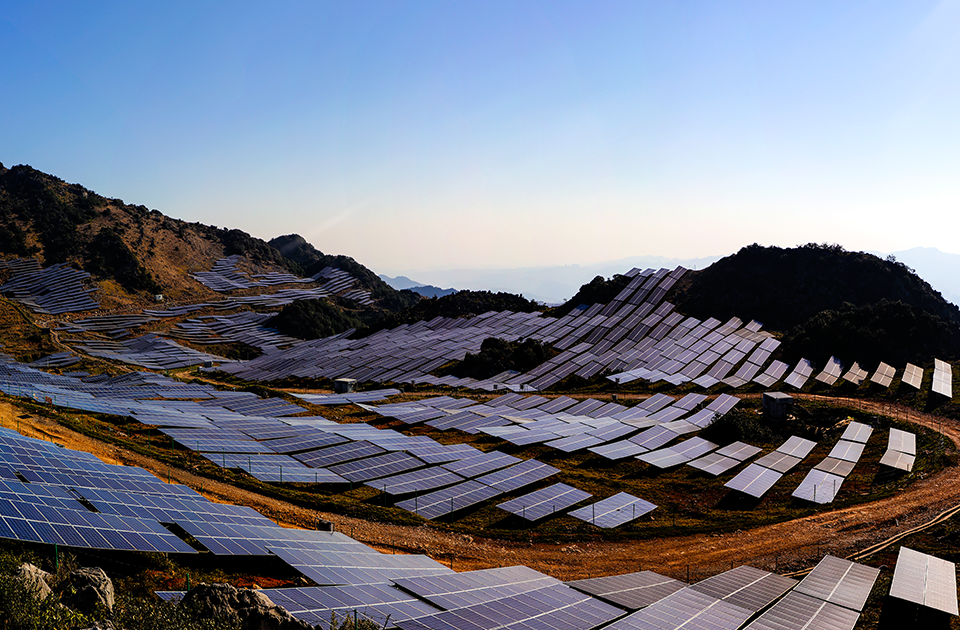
x: 777, y: 405
x: 345, y: 385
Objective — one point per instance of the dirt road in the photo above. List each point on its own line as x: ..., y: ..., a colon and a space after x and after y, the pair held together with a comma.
x: 785, y: 545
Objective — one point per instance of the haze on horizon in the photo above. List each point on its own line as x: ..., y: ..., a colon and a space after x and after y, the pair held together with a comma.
x: 415, y: 135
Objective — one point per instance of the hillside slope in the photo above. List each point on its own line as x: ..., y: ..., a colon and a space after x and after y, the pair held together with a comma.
x: 134, y: 253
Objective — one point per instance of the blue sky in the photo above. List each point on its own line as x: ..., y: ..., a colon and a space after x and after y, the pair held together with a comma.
x: 448, y: 134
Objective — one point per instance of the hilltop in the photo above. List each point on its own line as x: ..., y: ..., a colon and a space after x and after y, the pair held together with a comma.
x: 133, y: 252
x: 823, y: 300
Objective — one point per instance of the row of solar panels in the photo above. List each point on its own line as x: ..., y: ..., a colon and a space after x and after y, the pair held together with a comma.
x: 831, y: 597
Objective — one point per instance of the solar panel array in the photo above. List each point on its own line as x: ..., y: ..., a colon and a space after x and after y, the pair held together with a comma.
x: 823, y: 482
x: 901, y: 450
x: 383, y: 604
x: 761, y: 475
x: 831, y: 597
x: 686, y: 608
x: 925, y: 580
x: 113, y: 326
x: 637, y: 332
x: 242, y: 431
x: 550, y: 603
x: 148, y: 351
x: 245, y: 327
x: 53, y: 290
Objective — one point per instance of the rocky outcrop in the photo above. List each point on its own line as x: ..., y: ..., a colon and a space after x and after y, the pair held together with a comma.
x: 88, y: 590
x: 252, y: 609
x: 35, y: 579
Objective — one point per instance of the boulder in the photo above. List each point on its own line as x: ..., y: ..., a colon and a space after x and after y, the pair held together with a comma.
x: 250, y: 608
x: 35, y: 579
x: 88, y: 590
x: 214, y: 601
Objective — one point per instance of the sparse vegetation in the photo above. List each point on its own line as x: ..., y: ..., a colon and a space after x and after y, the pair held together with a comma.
x: 497, y: 355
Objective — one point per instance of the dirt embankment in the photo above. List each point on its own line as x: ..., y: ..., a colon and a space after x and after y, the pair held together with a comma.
x: 790, y: 544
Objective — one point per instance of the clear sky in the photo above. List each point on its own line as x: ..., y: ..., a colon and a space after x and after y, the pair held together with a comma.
x: 498, y: 134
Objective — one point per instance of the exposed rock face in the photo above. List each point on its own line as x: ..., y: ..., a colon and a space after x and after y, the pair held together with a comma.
x: 252, y: 609
x: 88, y: 590
x: 35, y: 579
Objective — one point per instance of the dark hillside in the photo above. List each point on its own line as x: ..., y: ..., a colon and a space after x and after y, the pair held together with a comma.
x: 892, y: 332
x: 459, y: 304
x: 784, y: 288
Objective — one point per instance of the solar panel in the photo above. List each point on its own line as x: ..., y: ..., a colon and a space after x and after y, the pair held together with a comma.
x: 416, y: 481
x: 739, y: 451
x: 678, y: 454
x: 780, y: 462
x: 754, y: 480
x: 884, y: 375
x: 355, y: 566
x: 574, y: 443
x: 913, y: 376
x: 518, y: 476
x: 379, y: 466
x: 339, y: 453
x: 848, y: 451
x: 819, y: 487
x: 856, y: 374
x: 831, y: 371
x: 714, y: 463
x: 481, y: 463
x: 857, y: 432
x: 654, y: 437
x: 632, y: 591
x: 797, y: 446
x: 840, y: 582
x: 469, y: 588
x: 901, y: 461
x: 925, y: 580
x: 613, y: 511
x: 836, y: 466
x: 545, y: 502
x: 685, y: 608
x: 617, y: 450
x: 746, y: 587
x: 379, y: 603
x: 800, y: 374
x: 942, y: 378
x: 558, y: 605
x: 802, y: 612
x: 448, y: 500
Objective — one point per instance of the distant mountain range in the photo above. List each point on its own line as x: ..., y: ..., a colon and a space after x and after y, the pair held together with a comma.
x: 427, y: 290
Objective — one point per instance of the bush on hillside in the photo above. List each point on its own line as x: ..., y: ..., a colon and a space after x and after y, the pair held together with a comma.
x: 497, y: 355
